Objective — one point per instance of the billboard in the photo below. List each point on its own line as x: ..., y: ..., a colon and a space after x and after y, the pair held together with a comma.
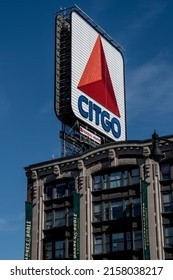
x: 97, y: 80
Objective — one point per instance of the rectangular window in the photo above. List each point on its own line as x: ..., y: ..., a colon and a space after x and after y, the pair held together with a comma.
x: 48, y: 220
x: 135, y: 176
x: 116, y: 209
x: 167, y: 202
x: 97, y: 212
x: 118, y: 241
x: 48, y: 192
x: 138, y: 239
x: 169, y: 237
x: 60, y: 217
x: 70, y: 216
x: 60, y: 249
x: 71, y: 187
x: 98, y: 244
x: 60, y: 190
x: 136, y: 207
x: 97, y: 183
x: 115, y: 180
x: 166, y: 171
x: 70, y: 248
x: 48, y: 250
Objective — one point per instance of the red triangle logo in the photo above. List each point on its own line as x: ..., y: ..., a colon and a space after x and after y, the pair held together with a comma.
x: 96, y: 80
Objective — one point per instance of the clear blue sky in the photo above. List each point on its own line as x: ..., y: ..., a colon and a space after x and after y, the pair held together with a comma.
x: 28, y: 125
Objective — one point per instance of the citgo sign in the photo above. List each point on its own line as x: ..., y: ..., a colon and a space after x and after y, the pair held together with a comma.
x: 97, y: 93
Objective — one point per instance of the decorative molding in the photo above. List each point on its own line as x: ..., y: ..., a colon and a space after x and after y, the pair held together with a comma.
x: 34, y: 175
x: 146, y: 152
x: 56, y: 170
x: 127, y: 161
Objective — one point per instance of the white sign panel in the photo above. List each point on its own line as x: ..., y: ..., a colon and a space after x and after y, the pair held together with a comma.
x: 97, y: 93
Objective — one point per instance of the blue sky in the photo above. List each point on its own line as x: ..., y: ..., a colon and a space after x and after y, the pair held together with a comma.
x: 28, y: 125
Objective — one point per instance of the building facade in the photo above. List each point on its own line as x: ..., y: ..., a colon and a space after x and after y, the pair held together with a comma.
x: 111, y: 202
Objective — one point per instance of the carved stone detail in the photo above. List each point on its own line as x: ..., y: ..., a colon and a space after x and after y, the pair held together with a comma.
x: 56, y: 170
x: 146, y: 152
x: 111, y: 154
x: 34, y: 175
x: 127, y: 161
x: 80, y: 165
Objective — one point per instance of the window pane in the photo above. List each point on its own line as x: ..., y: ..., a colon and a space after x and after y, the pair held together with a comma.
x: 70, y: 248
x: 135, y: 176
x: 48, y: 192
x: 138, y: 239
x: 97, y: 213
x: 70, y: 217
x: 116, y: 209
x: 60, y: 249
x: 97, y: 183
x: 115, y: 179
x: 167, y: 202
x: 71, y: 187
x: 118, y: 241
x: 60, y: 218
x: 98, y: 244
x: 60, y: 190
x: 48, y: 250
x: 48, y: 220
x: 136, y: 207
x: 169, y: 236
x: 166, y: 171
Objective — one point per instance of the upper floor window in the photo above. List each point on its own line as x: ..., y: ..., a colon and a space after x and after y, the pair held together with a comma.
x: 98, y: 244
x: 169, y: 236
x: 166, y: 171
x: 60, y: 249
x: 167, y: 198
x: 59, y: 189
x: 116, y: 179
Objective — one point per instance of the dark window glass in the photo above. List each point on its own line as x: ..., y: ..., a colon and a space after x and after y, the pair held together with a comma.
x: 60, y: 249
x: 135, y: 176
x: 116, y: 209
x: 167, y: 202
x: 70, y: 248
x: 48, y: 250
x: 49, y: 192
x: 48, y: 220
x: 97, y: 212
x: 70, y: 217
x: 138, y: 239
x: 166, y: 171
x: 60, y: 190
x: 115, y: 180
x: 71, y: 187
x: 118, y: 241
x: 97, y: 183
x: 136, y: 207
x: 59, y: 217
x: 98, y: 245
x: 169, y: 237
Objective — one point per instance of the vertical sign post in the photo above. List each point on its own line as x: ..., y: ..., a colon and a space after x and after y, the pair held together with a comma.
x: 76, y: 226
x: 145, y: 221
x: 28, y: 230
